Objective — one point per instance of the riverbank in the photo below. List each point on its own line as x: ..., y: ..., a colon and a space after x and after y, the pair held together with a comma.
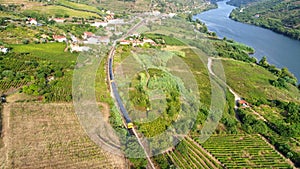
x: 278, y: 16
x: 280, y: 51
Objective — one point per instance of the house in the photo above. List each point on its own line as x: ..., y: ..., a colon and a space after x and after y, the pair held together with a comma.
x: 257, y: 16
x: 98, y: 24
x: 50, y: 78
x: 94, y: 40
x: 137, y: 43
x: 171, y: 15
x: 146, y: 40
x: 136, y: 35
x: 243, y: 103
x: 59, y: 38
x: 59, y: 20
x: 104, y: 39
x: 73, y: 38
x: 125, y: 42
x: 116, y: 21
x: 110, y: 16
x: 3, y: 49
x: 87, y: 35
x: 32, y: 21
x: 77, y: 48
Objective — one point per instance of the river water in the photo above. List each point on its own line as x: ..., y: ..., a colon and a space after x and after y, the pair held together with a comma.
x: 280, y: 50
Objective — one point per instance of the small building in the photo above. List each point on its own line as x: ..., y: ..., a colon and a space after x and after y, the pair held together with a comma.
x: 59, y: 38
x: 146, y: 40
x: 87, y: 35
x: 74, y: 39
x: 59, y: 20
x: 125, y: 42
x: 3, y: 49
x: 104, y: 39
x: 98, y: 24
x: 94, y: 40
x: 32, y: 21
x: 243, y: 103
x: 116, y: 21
x: 77, y: 48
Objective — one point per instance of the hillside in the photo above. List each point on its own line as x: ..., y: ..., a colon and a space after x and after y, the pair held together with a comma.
x: 241, y: 3
x: 173, y: 76
x: 279, y: 16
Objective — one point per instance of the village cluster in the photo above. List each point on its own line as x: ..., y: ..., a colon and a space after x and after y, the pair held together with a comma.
x: 81, y: 43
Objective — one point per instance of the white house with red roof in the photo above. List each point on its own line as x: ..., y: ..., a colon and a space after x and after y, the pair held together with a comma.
x: 125, y: 42
x: 59, y: 20
x: 32, y: 21
x: 59, y: 38
x: 87, y: 35
x: 98, y: 24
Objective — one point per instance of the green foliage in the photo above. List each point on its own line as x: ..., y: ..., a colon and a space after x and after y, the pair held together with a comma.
x: 164, y: 40
x: 135, y: 153
x: 279, y: 16
x: 234, y: 50
x: 163, y: 161
x: 158, y: 81
x: 253, y: 83
x: 241, y: 3
x: 34, y: 64
x: 250, y: 123
x: 284, y: 75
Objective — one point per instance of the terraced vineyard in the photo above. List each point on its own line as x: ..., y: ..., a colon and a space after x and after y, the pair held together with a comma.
x: 6, y: 86
x: 246, y: 151
x: 194, y: 156
x: 49, y: 136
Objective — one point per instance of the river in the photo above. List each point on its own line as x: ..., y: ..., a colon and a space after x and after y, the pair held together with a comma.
x: 279, y: 50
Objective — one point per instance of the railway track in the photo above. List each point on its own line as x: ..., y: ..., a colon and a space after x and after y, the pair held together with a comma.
x: 115, y: 94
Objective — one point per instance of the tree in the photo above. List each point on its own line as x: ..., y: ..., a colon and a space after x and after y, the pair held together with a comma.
x: 190, y: 17
x: 263, y: 62
x: 25, y: 41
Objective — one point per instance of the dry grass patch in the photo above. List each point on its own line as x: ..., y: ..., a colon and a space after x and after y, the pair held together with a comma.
x: 50, y: 136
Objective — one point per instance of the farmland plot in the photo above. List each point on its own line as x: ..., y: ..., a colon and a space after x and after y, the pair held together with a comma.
x: 49, y: 136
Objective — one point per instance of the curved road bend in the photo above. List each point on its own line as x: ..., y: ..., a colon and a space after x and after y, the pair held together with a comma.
x: 114, y: 91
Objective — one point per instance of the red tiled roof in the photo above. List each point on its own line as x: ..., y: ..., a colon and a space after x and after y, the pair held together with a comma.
x: 88, y: 33
x: 32, y: 19
x: 242, y: 102
x: 58, y: 37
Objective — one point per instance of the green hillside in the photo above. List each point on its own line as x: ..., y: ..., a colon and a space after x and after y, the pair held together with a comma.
x: 279, y: 16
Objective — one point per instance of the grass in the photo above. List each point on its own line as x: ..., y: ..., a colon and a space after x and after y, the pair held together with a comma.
x: 121, y: 6
x: 50, y: 136
x: 79, y: 6
x: 252, y: 82
x: 53, y: 52
x: 53, y: 10
x: 16, y: 35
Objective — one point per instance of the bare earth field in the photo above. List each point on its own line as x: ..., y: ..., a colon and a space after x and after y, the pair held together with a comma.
x: 40, y: 135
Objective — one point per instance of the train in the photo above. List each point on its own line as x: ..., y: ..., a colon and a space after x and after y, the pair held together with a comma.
x: 118, y: 98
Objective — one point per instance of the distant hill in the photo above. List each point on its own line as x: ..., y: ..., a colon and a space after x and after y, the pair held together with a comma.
x: 239, y: 3
x: 277, y: 15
